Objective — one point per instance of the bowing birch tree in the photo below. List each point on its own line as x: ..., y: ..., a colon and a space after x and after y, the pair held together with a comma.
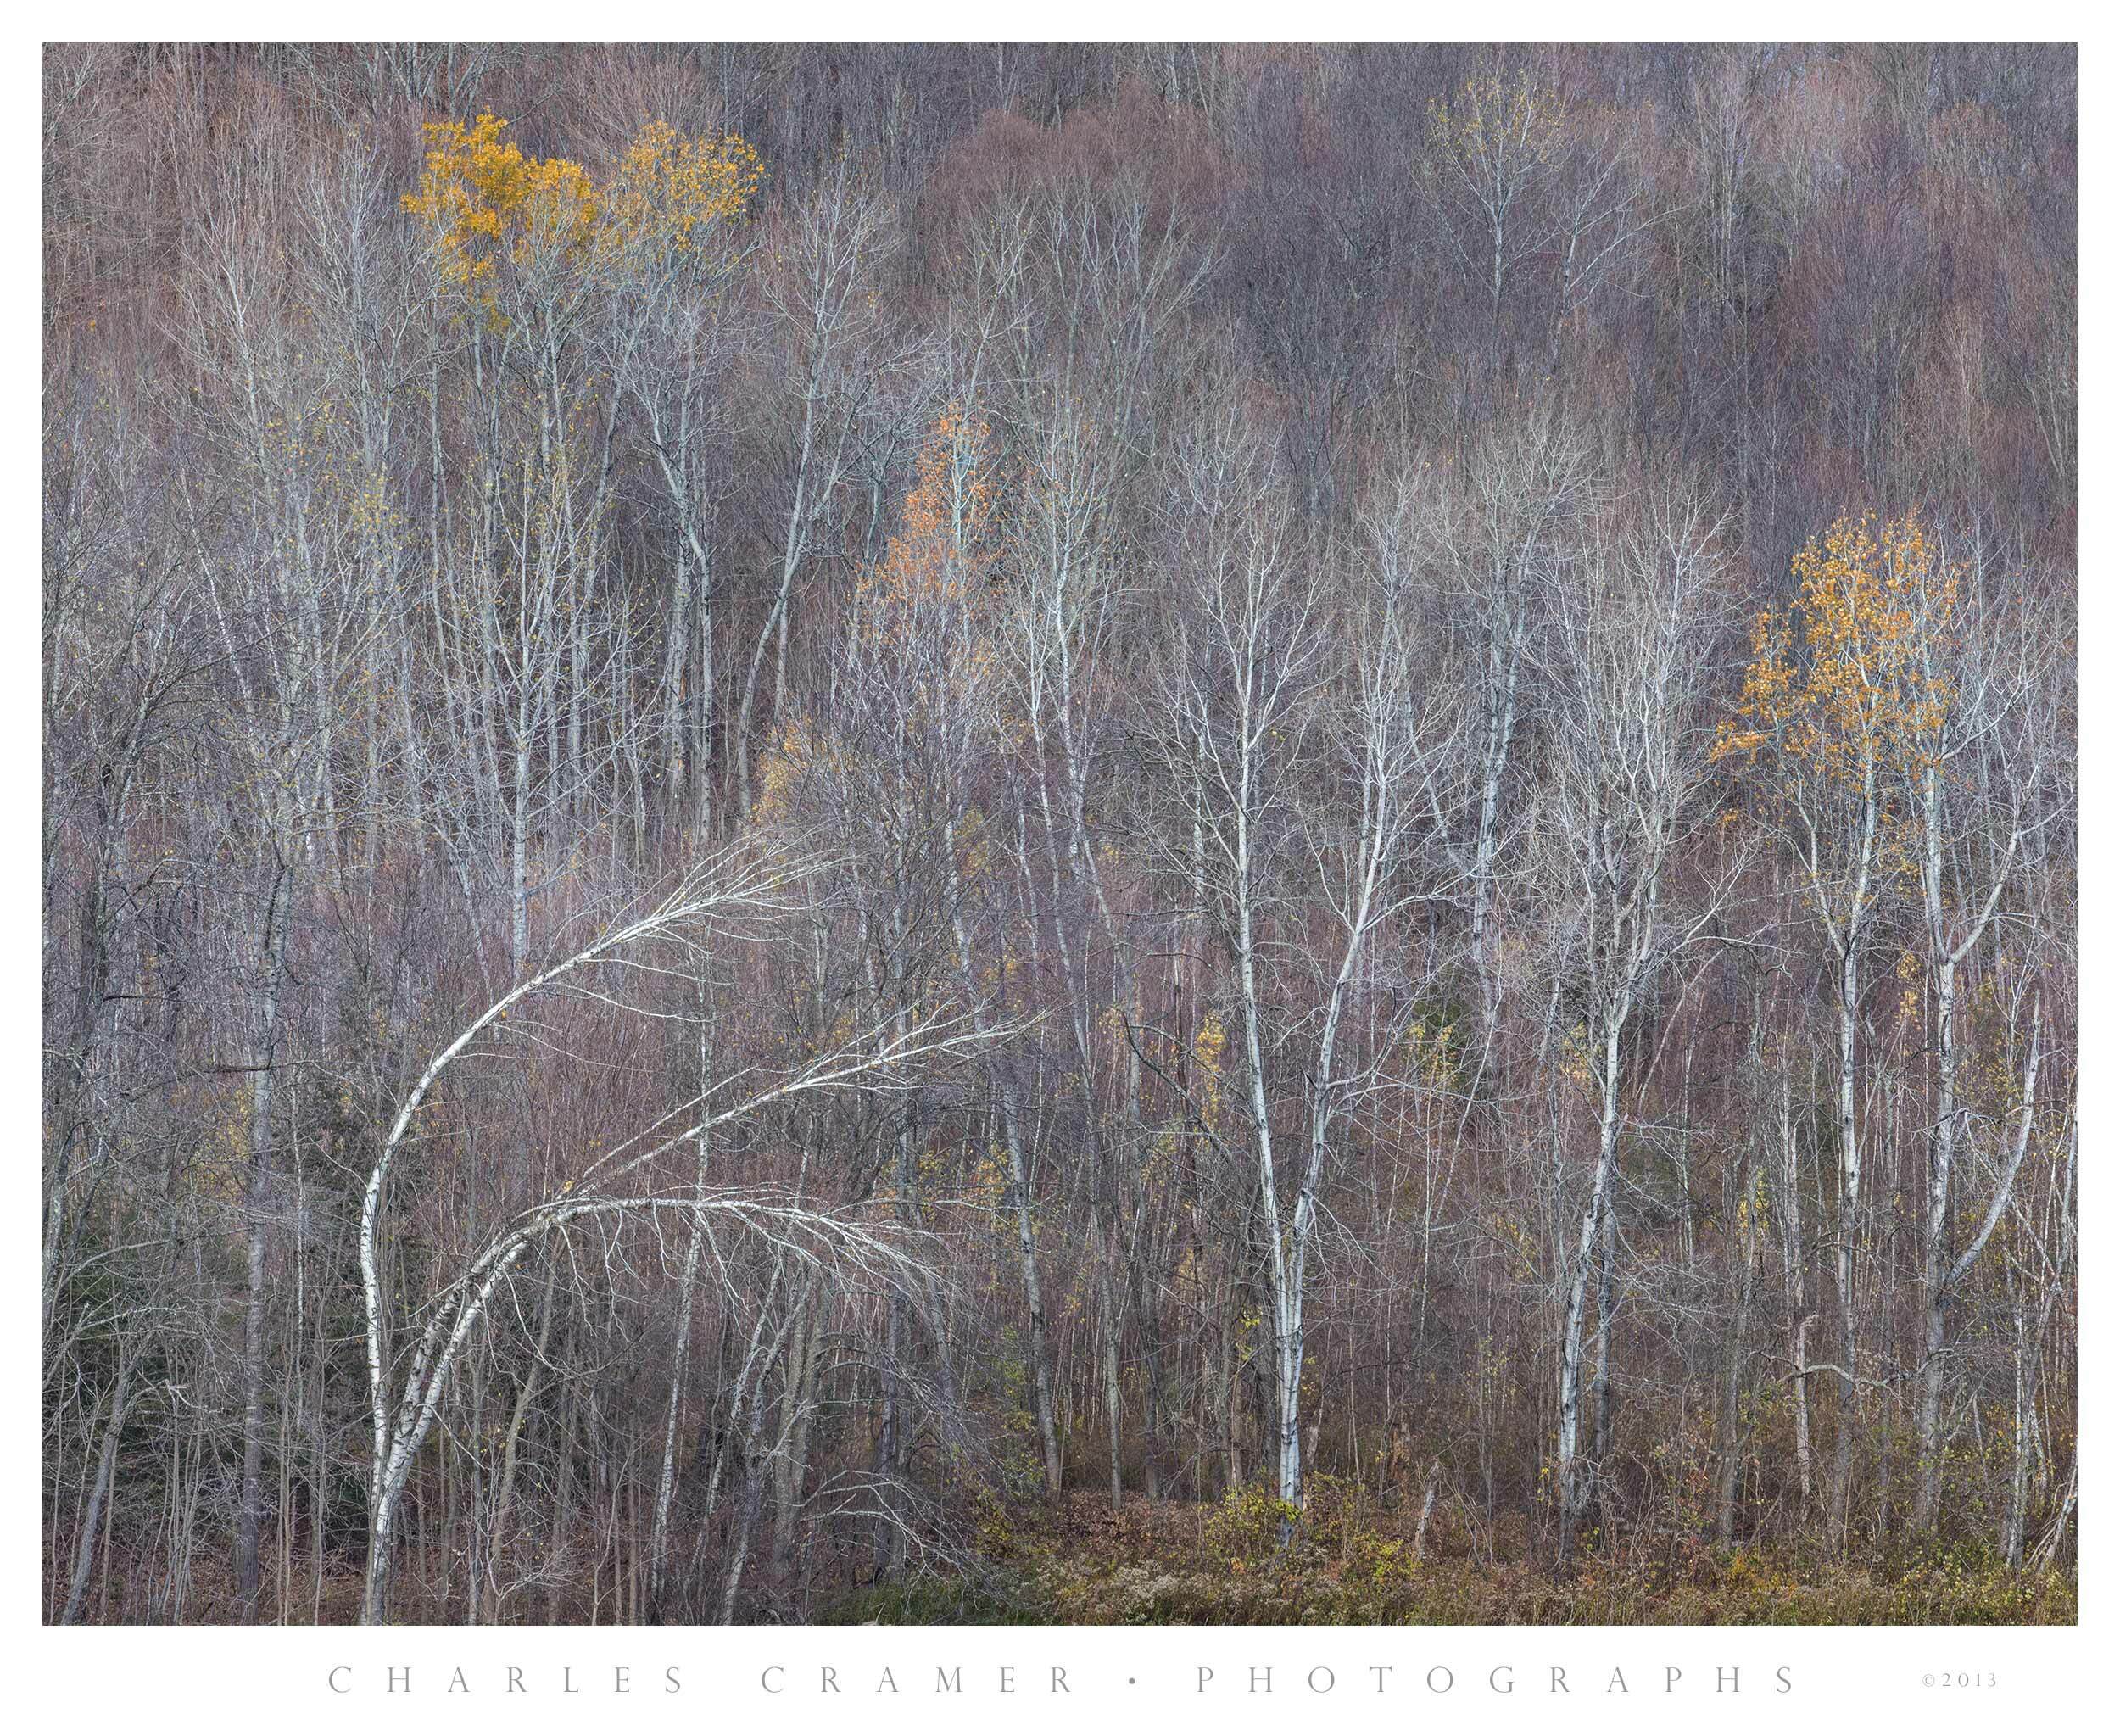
x: 729, y: 896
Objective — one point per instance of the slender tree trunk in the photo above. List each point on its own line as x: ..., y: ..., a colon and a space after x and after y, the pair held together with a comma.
x: 1107, y: 1310
x: 99, y: 1495
x: 1844, y: 1268
x: 1576, y: 1479
x: 257, y: 1207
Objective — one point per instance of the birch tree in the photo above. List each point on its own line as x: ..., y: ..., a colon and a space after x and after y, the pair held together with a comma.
x: 1629, y: 778
x: 1831, y: 699
x: 1979, y: 789
x: 411, y: 1361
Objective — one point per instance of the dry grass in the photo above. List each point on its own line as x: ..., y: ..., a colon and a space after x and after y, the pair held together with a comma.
x: 1174, y: 1564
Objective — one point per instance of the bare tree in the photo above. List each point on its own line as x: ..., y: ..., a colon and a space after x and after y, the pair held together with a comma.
x: 726, y: 896
x: 1629, y: 778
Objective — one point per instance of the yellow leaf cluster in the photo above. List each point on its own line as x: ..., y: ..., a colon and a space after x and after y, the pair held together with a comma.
x: 1847, y: 683
x: 669, y: 188
x: 485, y: 201
x: 1206, y: 1062
x: 484, y: 198
x: 1431, y: 1053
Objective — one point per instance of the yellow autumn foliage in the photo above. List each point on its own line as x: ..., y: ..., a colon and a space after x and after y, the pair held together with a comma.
x: 1845, y: 684
x: 485, y: 201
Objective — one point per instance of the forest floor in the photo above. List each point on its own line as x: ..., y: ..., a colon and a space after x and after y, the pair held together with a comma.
x: 1347, y: 1561
x: 1082, y: 1561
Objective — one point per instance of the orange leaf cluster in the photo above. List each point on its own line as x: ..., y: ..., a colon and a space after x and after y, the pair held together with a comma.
x: 942, y: 555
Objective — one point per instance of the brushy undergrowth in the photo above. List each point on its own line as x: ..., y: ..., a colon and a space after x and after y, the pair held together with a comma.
x: 1252, y: 1560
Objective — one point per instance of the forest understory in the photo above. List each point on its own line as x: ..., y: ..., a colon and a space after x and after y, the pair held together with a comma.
x: 1352, y: 1557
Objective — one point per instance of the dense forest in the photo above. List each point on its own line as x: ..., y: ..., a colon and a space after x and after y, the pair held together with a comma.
x: 1079, y: 833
